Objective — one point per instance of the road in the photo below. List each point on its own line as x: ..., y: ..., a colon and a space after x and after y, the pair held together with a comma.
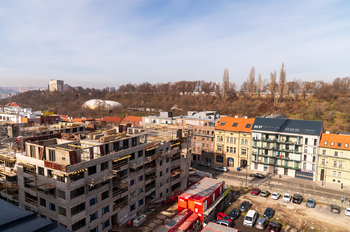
x: 307, y: 188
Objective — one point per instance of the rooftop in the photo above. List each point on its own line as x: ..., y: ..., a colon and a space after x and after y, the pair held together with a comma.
x: 335, y: 141
x: 235, y: 124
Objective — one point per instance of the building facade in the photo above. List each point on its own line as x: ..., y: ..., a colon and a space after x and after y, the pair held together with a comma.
x: 286, y: 146
x: 232, y: 141
x: 93, y: 184
x: 56, y: 85
x: 334, y: 160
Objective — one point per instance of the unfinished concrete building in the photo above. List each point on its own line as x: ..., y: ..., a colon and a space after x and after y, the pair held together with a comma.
x: 103, y: 181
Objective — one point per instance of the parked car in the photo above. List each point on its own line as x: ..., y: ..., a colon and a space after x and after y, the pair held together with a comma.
x: 222, y: 169
x: 244, y: 206
x: 287, y: 197
x: 255, y: 191
x: 274, y: 226
x: 250, y: 218
x: 235, y: 213
x: 310, y: 203
x: 347, y: 211
x: 258, y: 175
x: 297, y: 198
x: 269, y: 212
x: 335, y: 209
x: 222, y: 216
x: 205, y: 164
x: 264, y: 193
x: 261, y: 223
x: 223, y: 223
x: 275, y: 196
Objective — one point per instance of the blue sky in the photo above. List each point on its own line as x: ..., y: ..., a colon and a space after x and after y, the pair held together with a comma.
x: 104, y: 43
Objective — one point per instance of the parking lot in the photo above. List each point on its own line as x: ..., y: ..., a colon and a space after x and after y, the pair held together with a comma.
x: 293, y: 216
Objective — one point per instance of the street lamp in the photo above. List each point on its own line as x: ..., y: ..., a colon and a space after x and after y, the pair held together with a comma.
x: 246, y: 175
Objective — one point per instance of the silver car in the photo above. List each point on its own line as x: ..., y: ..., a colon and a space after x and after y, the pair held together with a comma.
x: 222, y: 169
x: 310, y: 203
x: 261, y: 223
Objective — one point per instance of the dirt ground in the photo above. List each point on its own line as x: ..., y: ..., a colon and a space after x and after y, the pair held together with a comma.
x: 298, y: 217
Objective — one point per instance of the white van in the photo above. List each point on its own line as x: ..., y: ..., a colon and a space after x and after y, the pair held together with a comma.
x: 250, y: 218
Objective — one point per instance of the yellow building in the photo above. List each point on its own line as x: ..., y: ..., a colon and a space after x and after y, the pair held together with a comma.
x: 334, y: 160
x: 232, y: 141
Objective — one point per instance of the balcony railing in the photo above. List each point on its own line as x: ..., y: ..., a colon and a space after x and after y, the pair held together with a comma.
x: 148, y: 188
x: 119, y: 191
x: 121, y: 182
x: 31, y: 201
x: 118, y: 165
x: 119, y: 205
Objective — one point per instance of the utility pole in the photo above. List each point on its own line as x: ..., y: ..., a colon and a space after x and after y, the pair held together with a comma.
x: 246, y: 175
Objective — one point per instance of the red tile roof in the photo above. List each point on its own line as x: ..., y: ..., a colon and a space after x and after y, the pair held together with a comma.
x: 11, y: 104
x: 134, y: 120
x: 110, y: 119
x: 341, y: 140
x: 235, y: 124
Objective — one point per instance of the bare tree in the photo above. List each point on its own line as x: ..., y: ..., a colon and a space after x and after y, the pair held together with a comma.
x: 282, y: 81
x: 250, y: 81
x: 225, y: 84
x: 258, y: 85
x: 273, y: 83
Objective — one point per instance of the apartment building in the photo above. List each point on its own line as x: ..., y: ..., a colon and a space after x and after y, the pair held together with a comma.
x: 93, y: 184
x: 203, y: 125
x: 232, y: 144
x: 286, y: 146
x: 164, y: 118
x: 56, y: 85
x: 334, y: 159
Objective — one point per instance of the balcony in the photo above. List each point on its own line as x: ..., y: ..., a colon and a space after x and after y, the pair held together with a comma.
x: 120, y: 165
x: 152, y: 157
x: 119, y: 191
x: 118, y: 205
x: 150, y: 186
x: 121, y: 182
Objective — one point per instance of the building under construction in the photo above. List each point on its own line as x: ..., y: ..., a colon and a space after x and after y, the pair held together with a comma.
x: 104, y: 180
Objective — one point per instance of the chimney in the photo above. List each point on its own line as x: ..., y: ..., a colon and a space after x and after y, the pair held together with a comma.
x: 327, y: 132
x: 245, y: 117
x: 236, y: 116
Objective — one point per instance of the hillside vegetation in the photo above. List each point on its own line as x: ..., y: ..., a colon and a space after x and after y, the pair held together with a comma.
x: 311, y: 101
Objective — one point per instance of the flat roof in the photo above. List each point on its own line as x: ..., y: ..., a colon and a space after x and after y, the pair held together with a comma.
x: 211, y: 226
x: 202, y: 188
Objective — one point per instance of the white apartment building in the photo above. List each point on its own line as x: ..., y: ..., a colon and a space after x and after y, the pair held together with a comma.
x: 56, y: 85
x: 93, y: 184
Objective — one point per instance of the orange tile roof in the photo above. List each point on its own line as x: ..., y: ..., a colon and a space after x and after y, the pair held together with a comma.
x: 110, y: 119
x: 235, y: 124
x: 11, y: 104
x: 329, y: 138
x: 134, y: 120
x: 78, y: 120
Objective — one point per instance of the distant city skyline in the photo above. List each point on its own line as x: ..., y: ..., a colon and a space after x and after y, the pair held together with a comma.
x: 104, y: 43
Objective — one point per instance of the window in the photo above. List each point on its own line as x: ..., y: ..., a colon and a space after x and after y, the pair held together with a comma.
x: 323, y: 152
x: 202, y: 144
x: 105, y: 195
x: 313, y: 158
x: 339, y: 144
x: 167, y: 180
x: 94, y: 229
x: 335, y: 153
x: 246, y: 142
x: 227, y: 149
x: 77, y: 192
x: 325, y: 143
x: 315, y: 142
x: 222, y: 123
x: 139, y: 154
x: 313, y: 167
x: 105, y: 224
x: 79, y: 224
x: 167, y: 170
x: 235, y: 140
x: 231, y: 149
x: 305, y: 149
x: 332, y: 143
x: 304, y: 157
x: 104, y: 166
x: 52, y: 207
x: 61, y: 194
x: 61, y: 178
x: 304, y: 166
x: 341, y: 154
x: 231, y: 140
x: 132, y: 182
x: 49, y: 173
x: 42, y: 202
x: 166, y: 191
x: 132, y: 207
x: 340, y: 164
x: 132, y: 195
x: 91, y: 188
x: 52, y: 155
x: 140, y: 178
x: 234, y: 150
x: 93, y: 216
x: 167, y: 159
x: 161, y: 184
x: 235, y: 124
x: 335, y: 164
x: 323, y: 162
x: 77, y: 209
x: 306, y: 140
x: 244, y: 152
x: 161, y: 195
x: 346, y: 145
x: 219, y: 148
x: 161, y: 173
x: 92, y: 170
x: 242, y: 142
x: 228, y: 139
x: 314, y: 150
x: 140, y: 202
x: 77, y: 176
x: 334, y: 173
x: 141, y: 190
x: 219, y: 159
x: 105, y: 210
x: 248, y: 125
x: 339, y: 174
x: 41, y: 171
x: 93, y: 201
